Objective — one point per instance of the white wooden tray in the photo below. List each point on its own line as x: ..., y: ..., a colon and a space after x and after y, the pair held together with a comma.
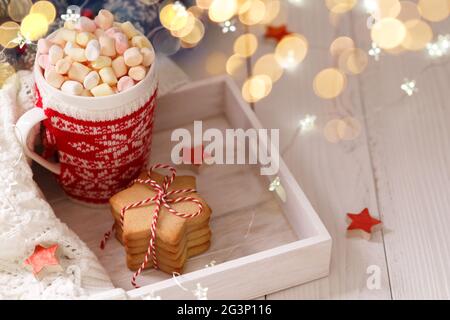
x: 259, y: 244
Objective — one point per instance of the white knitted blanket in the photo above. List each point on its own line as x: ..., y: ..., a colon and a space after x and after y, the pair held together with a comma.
x: 26, y: 219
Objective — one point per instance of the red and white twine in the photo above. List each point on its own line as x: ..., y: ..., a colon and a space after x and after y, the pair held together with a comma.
x: 161, y: 198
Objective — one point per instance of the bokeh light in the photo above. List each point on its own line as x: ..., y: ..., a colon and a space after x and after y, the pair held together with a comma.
x: 18, y: 9
x: 222, y: 10
x: 387, y: 9
x: 235, y: 65
x: 329, y: 83
x: 434, y: 10
x: 388, y: 33
x: 291, y: 50
x: 348, y: 128
x: 8, y: 32
x: 174, y: 16
x: 273, y: 8
x: 408, y: 11
x: 330, y: 130
x: 46, y: 8
x: 256, y: 88
x: 196, y: 35
x: 204, y: 4
x: 252, y: 12
x: 340, y: 6
x: 418, y: 35
x: 246, y: 45
x: 341, y: 44
x: 34, y: 26
x: 353, y: 61
x: 269, y: 66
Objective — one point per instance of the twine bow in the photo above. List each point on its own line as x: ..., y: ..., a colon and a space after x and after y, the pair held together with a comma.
x: 160, y: 199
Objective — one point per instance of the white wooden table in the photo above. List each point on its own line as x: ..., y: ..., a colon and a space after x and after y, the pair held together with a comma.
x: 399, y: 167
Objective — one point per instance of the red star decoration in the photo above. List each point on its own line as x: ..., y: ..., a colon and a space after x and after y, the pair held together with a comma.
x: 362, y: 223
x: 87, y: 13
x: 277, y: 33
x: 42, y: 257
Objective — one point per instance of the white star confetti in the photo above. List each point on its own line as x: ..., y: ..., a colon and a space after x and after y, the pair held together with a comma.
x: 151, y: 296
x: 228, y: 26
x: 200, y: 293
x: 375, y: 51
x: 409, y: 86
x: 440, y: 47
x: 277, y: 187
x: 21, y: 40
x: 211, y: 264
x: 307, y: 123
x: 73, y: 13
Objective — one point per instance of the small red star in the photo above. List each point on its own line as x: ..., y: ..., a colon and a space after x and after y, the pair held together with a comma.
x: 277, y: 33
x: 87, y: 13
x: 43, y: 257
x: 362, y: 223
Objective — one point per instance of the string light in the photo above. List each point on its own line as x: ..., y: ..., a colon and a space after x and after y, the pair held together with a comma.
x: 277, y: 187
x: 409, y: 86
x: 440, y: 47
x: 200, y: 293
x: 73, y: 14
x: 228, y: 26
x: 211, y: 264
x: 375, y: 51
x: 307, y: 123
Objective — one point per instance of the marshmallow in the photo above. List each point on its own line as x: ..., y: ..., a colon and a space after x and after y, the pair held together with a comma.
x: 69, y: 25
x: 148, y: 56
x: 68, y: 46
x: 129, y: 29
x: 119, y: 67
x: 55, y: 53
x: 111, y: 31
x: 101, y: 62
x: 99, y: 32
x: 91, y: 80
x: 43, y: 46
x: 78, y: 72
x: 125, y: 83
x: 121, y: 42
x: 44, y: 61
x: 104, y: 19
x: 54, y: 79
x: 107, y: 46
x: 63, y: 65
x: 67, y: 35
x: 92, y: 51
x: 86, y: 24
x: 140, y: 42
x: 133, y: 57
x: 108, y: 76
x: 84, y: 37
x: 72, y: 87
x: 102, y: 90
x: 137, y: 73
x: 77, y: 54
x: 86, y: 93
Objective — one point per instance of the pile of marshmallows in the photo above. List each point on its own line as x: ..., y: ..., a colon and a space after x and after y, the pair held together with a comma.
x: 97, y: 57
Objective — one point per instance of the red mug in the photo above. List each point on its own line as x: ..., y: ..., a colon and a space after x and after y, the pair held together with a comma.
x: 102, y: 143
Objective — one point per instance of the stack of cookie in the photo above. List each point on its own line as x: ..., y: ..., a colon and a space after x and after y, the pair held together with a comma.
x: 177, y: 238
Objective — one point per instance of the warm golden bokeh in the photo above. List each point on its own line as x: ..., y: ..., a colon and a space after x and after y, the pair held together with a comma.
x: 256, y: 88
x: 34, y: 26
x: 388, y: 33
x: 348, y: 128
x: 291, y: 50
x: 353, y: 61
x: 418, y: 35
x: 330, y: 130
x: 8, y: 32
x: 272, y: 11
x: 269, y: 66
x: 329, y: 83
x: 46, y: 8
x: 222, y: 10
x: 341, y: 44
x: 235, y: 65
x: 409, y: 11
x: 246, y: 45
x: 187, y: 29
x: 174, y: 17
x: 204, y: 4
x: 340, y: 6
x: 252, y: 12
x: 18, y: 9
x: 196, y: 35
x: 388, y: 9
x: 434, y: 10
